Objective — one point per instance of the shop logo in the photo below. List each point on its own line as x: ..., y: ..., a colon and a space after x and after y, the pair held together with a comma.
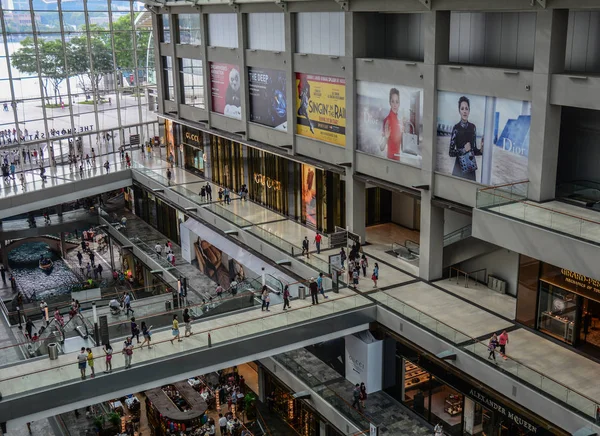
x: 192, y: 137
x: 581, y: 281
x: 502, y: 410
x: 267, y: 181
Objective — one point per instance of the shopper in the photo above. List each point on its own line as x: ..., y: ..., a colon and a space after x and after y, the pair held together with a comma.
x: 267, y: 301
x: 492, y: 344
x: 356, y: 397
x: 135, y: 331
x: 82, y: 361
x: 203, y: 193
x: 127, y: 303
x: 147, y: 334
x: 375, y: 275
x: 187, y: 319
x: 363, y: 395
x: 90, y: 361
x: 286, y: 297
x: 169, y: 175
x: 318, y: 239
x: 305, y: 246
x: 29, y: 328
x: 175, y: 330
x: 364, y: 264
x: 342, y: 256
x: 438, y: 429
x: 158, y: 250
x: 355, y: 277
x: 80, y: 257
x: 314, y: 291
x: 222, y: 424
x: 220, y: 195
x: 108, y: 353
x: 320, y: 285
x: 208, y: 192
x: 502, y: 342
x: 128, y: 352
x: 3, y: 273
x: 263, y: 297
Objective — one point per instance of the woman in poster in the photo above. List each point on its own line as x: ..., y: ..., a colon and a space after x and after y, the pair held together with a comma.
x: 463, y: 143
x: 392, y: 128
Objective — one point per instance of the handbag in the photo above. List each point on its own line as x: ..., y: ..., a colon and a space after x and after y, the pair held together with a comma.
x: 410, y: 141
x: 467, y: 161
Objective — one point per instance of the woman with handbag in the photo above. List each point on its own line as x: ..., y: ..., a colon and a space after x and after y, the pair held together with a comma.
x: 463, y: 143
x: 128, y: 352
x: 147, y: 335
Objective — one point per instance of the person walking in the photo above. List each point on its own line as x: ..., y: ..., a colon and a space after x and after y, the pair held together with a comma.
x: 175, y: 330
x: 13, y: 283
x: 187, y: 320
x: 438, y: 430
x: 208, y: 192
x: 127, y: 303
x: 314, y: 291
x: 364, y: 264
x: 158, y: 250
x: 492, y: 344
x: 135, y: 331
x: 80, y: 257
x: 108, y: 353
x: 220, y: 195
x: 267, y: 301
x: 355, y: 277
x: 147, y: 335
x: 82, y: 362
x: 502, y: 342
x: 128, y: 352
x: 318, y: 239
x: 88, y: 273
x: 29, y: 328
x: 356, y: 397
x: 305, y: 246
x: 320, y: 285
x: 90, y: 361
x: 107, y: 166
x: 363, y: 395
x: 92, y: 257
x: 3, y: 273
x: 227, y: 195
x: 263, y: 297
x: 222, y: 424
x: 203, y: 193
x: 286, y: 298
x: 375, y: 275
x: 342, y: 256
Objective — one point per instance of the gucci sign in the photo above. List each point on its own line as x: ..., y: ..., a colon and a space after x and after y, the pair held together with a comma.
x: 267, y: 181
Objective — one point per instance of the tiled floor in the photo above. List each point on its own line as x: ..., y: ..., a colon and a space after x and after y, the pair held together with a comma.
x: 380, y: 239
x: 32, y: 375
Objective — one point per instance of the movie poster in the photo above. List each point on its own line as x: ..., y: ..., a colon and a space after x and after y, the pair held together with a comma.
x: 268, y: 105
x: 225, y: 94
x: 483, y: 139
x: 309, y: 194
x: 321, y: 108
x: 389, y: 121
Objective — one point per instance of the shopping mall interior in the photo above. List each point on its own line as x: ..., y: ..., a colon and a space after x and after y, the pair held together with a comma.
x: 408, y: 249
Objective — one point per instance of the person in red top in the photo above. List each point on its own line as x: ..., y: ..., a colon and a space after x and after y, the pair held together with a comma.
x: 318, y: 238
x: 393, y: 128
x: 502, y: 341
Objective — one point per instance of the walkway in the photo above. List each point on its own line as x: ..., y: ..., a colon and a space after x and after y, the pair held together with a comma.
x: 382, y: 410
x: 30, y: 376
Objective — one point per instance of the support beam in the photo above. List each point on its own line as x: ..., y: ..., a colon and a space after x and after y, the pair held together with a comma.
x: 343, y: 4
x: 427, y: 3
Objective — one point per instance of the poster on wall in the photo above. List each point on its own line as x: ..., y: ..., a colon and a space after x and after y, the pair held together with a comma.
x: 268, y: 105
x: 389, y: 121
x: 225, y: 83
x: 483, y: 139
x: 309, y: 194
x: 321, y: 108
x: 217, y: 265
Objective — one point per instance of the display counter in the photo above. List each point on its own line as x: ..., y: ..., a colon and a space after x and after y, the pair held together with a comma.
x: 557, y: 325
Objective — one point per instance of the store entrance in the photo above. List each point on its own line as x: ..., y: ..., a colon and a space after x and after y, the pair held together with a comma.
x: 589, y: 332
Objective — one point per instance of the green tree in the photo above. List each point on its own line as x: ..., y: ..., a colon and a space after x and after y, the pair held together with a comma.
x: 51, y: 63
x: 80, y: 62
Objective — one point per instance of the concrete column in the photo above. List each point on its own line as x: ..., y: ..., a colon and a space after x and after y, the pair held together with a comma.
x: 63, y: 252
x: 550, y: 42
x: 261, y: 384
x: 356, y: 206
x: 290, y: 86
x: 244, y: 91
x: 4, y: 253
x: 111, y: 251
x: 437, y: 35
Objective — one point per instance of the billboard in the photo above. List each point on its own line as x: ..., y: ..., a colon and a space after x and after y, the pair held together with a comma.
x: 225, y: 84
x: 483, y: 139
x: 268, y: 105
x: 309, y: 194
x: 321, y: 106
x: 389, y: 121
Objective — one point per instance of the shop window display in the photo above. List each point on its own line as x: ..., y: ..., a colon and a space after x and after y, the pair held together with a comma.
x: 557, y: 312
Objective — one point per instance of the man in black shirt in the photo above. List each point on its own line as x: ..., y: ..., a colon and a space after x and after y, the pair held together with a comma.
x: 314, y: 291
x: 188, y: 323
x: 305, y: 245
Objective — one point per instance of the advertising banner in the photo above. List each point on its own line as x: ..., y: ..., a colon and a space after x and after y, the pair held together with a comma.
x: 389, y: 121
x: 268, y: 105
x: 225, y: 89
x: 484, y: 139
x: 321, y: 103
x: 309, y: 194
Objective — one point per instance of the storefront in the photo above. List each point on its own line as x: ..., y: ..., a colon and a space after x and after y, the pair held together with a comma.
x: 440, y: 394
x: 297, y: 413
x: 560, y: 303
x: 195, y: 145
x: 157, y: 213
x: 169, y: 141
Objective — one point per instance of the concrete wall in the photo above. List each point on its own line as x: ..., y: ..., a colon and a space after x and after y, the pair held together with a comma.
x: 454, y: 221
x: 403, y: 210
x: 503, y: 264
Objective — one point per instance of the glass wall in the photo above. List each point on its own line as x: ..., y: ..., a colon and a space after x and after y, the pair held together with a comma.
x: 75, y: 70
x: 192, y: 80
x: 189, y: 29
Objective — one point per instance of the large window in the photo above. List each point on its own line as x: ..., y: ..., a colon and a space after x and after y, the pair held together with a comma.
x: 168, y: 77
x: 189, y: 29
x: 166, y: 29
x: 76, y: 74
x: 192, y: 78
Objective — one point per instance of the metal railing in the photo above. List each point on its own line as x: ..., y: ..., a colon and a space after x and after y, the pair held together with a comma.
x: 458, y: 235
x: 404, y: 252
x: 466, y: 276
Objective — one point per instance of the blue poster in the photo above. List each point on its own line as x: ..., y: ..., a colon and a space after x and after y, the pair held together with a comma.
x: 268, y: 105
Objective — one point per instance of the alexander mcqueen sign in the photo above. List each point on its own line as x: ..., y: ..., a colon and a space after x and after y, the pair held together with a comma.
x: 499, y: 408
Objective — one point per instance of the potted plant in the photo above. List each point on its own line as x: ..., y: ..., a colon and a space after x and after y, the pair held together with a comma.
x: 98, y: 423
x: 250, y: 406
x: 115, y: 419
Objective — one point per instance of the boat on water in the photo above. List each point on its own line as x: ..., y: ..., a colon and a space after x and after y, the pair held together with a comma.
x: 46, y: 264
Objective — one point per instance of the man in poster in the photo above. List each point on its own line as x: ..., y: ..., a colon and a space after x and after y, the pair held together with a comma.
x: 463, y: 143
x: 304, y: 93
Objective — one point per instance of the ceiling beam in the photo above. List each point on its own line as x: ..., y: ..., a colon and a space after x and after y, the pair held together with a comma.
x: 426, y: 3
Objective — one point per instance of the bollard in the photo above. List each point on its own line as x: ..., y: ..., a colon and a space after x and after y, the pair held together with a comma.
x: 209, y: 341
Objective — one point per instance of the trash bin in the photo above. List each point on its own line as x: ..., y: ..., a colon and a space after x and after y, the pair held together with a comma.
x: 301, y: 292
x: 168, y: 306
x: 53, y: 351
